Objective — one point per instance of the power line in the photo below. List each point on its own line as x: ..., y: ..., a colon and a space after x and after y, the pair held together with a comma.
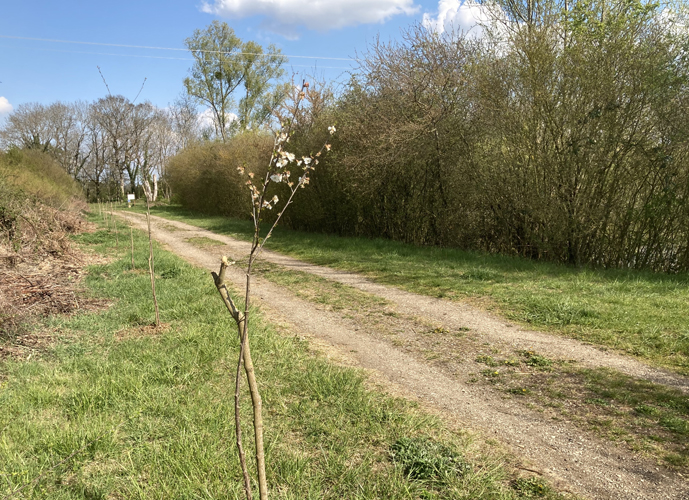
x: 170, y: 48
x: 144, y: 56
x: 98, y: 53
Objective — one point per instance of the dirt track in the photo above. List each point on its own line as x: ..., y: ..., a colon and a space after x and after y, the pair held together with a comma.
x: 573, y: 460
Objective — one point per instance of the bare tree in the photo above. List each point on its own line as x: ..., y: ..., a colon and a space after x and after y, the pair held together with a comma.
x: 70, y: 130
x: 95, y: 169
x: 112, y: 114
x: 28, y: 127
x: 184, y: 122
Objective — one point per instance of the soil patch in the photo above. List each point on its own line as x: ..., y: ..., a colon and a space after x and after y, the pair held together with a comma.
x: 142, y: 331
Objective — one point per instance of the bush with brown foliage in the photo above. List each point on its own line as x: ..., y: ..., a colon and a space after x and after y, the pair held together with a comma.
x: 204, y: 177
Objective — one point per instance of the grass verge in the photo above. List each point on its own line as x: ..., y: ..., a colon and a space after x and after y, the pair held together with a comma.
x: 120, y: 409
x: 640, y: 313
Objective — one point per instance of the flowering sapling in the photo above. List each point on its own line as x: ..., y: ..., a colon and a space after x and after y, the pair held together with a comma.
x: 278, y: 173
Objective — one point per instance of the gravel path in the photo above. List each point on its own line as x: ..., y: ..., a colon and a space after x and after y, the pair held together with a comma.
x: 572, y: 459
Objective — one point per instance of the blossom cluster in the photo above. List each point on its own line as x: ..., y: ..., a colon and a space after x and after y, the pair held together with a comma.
x: 278, y: 171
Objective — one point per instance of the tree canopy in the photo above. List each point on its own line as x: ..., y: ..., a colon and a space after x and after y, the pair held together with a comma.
x: 233, y: 77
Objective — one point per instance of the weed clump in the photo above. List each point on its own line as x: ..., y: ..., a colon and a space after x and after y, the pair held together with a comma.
x: 535, y: 360
x: 531, y: 487
x: 425, y: 460
x: 486, y: 360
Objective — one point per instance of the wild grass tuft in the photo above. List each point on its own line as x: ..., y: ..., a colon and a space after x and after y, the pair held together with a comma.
x: 423, y: 459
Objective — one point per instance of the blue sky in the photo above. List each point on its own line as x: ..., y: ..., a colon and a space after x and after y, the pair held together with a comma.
x: 33, y: 70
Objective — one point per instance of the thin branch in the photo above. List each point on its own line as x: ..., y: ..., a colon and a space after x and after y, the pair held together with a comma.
x: 103, y: 77
x: 237, y: 413
x: 140, y: 90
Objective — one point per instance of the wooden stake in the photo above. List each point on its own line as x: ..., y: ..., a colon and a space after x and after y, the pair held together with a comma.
x: 131, y: 235
x: 151, y: 264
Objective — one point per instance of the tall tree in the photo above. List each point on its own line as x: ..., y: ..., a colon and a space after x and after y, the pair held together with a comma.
x: 184, y: 121
x: 223, y: 64
x: 261, y: 96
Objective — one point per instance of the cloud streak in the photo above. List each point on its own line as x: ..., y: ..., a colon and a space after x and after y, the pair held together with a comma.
x: 289, y: 17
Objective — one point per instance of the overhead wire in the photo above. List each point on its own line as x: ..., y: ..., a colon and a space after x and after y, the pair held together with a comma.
x: 143, y: 56
x: 173, y: 48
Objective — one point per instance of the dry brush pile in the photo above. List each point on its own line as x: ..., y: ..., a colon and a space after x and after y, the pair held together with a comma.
x: 39, y: 267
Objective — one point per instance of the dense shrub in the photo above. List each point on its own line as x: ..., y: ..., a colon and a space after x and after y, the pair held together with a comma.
x: 563, y: 137
x: 204, y: 176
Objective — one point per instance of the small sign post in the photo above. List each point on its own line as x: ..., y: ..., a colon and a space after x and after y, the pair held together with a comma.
x: 130, y: 200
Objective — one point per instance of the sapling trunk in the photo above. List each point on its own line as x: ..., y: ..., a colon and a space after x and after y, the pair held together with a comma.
x: 151, y: 263
x: 256, y: 401
x: 131, y: 237
x: 276, y: 174
x: 219, y: 280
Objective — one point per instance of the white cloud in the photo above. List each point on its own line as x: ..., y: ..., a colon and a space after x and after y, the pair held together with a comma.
x: 5, y: 106
x: 206, y: 119
x: 455, y: 15
x: 286, y: 17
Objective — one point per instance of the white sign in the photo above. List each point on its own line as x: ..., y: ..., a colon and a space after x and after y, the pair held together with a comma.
x: 131, y: 197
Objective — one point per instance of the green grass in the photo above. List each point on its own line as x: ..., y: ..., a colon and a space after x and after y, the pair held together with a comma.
x: 149, y: 412
x: 640, y: 313
x: 650, y: 418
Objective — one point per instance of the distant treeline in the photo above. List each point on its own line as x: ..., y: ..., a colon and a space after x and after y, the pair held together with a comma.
x: 109, y: 146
